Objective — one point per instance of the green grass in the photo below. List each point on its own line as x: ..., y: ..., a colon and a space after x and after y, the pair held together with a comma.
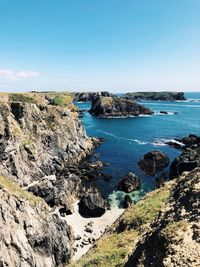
x: 146, y: 209
x: 171, y: 229
x: 113, y: 248
x: 12, y: 188
x: 21, y: 98
x: 62, y: 100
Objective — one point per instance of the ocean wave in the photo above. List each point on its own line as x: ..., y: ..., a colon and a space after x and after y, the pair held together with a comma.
x: 169, y: 113
x: 140, y: 142
x: 125, y: 117
x: 165, y: 141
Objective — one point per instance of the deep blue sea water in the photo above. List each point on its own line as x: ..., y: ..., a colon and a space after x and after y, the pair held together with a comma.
x: 126, y: 140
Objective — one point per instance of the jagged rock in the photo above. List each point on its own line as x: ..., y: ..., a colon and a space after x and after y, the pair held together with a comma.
x: 105, y: 107
x: 191, y: 140
x: 58, y: 191
x: 92, y: 205
x: 153, y: 162
x: 162, y: 96
x: 30, y: 235
x: 185, y: 142
x: 187, y: 161
x: 129, y: 183
x: 127, y: 202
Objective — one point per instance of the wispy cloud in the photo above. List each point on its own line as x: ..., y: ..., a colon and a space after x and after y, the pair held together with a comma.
x: 17, y: 75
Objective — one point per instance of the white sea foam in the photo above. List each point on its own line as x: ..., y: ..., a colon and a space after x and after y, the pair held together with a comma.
x: 140, y: 142
x: 125, y: 117
x: 164, y: 141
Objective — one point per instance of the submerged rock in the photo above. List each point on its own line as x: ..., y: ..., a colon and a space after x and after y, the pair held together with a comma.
x: 153, y: 162
x: 92, y: 205
x: 105, y: 107
x: 129, y: 183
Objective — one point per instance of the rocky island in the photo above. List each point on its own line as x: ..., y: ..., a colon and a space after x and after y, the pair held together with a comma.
x: 90, y: 96
x: 157, y: 96
x: 105, y: 107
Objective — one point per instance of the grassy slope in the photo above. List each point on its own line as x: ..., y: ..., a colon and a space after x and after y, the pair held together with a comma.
x: 13, y: 189
x: 113, y: 248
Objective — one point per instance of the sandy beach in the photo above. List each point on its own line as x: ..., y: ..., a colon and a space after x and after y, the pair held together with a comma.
x: 98, y: 226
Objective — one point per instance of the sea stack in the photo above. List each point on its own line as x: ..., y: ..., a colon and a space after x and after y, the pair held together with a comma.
x: 106, y: 107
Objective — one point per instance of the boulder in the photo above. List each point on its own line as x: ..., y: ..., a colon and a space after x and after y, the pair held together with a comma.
x: 127, y: 202
x: 129, y: 183
x: 92, y: 205
x: 105, y: 107
x: 153, y: 162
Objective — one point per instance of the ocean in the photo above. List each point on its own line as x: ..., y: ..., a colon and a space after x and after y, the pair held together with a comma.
x: 126, y: 140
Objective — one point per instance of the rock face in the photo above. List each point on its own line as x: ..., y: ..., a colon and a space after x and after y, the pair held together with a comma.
x: 36, y: 141
x: 90, y: 96
x: 105, y: 107
x: 162, y: 96
x: 129, y: 183
x: 153, y: 162
x: 92, y: 205
x: 187, y: 161
x: 30, y: 235
x: 174, y: 237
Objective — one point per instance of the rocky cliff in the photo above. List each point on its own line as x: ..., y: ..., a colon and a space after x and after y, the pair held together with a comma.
x: 161, y: 96
x: 30, y: 235
x: 162, y: 229
x: 39, y: 140
x: 105, y: 107
x: 43, y: 148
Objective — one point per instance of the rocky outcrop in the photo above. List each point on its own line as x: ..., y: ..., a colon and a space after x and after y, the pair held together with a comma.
x: 92, y: 205
x: 129, y: 183
x: 174, y: 237
x: 153, y: 162
x: 30, y: 235
x: 188, y: 141
x: 105, y: 107
x: 187, y: 161
x: 90, y: 96
x: 161, y: 96
x: 39, y: 140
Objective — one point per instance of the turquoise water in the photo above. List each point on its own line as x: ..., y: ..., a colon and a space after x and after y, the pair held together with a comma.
x: 126, y: 140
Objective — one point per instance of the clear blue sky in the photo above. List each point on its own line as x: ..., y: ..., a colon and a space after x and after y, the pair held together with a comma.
x: 116, y: 45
